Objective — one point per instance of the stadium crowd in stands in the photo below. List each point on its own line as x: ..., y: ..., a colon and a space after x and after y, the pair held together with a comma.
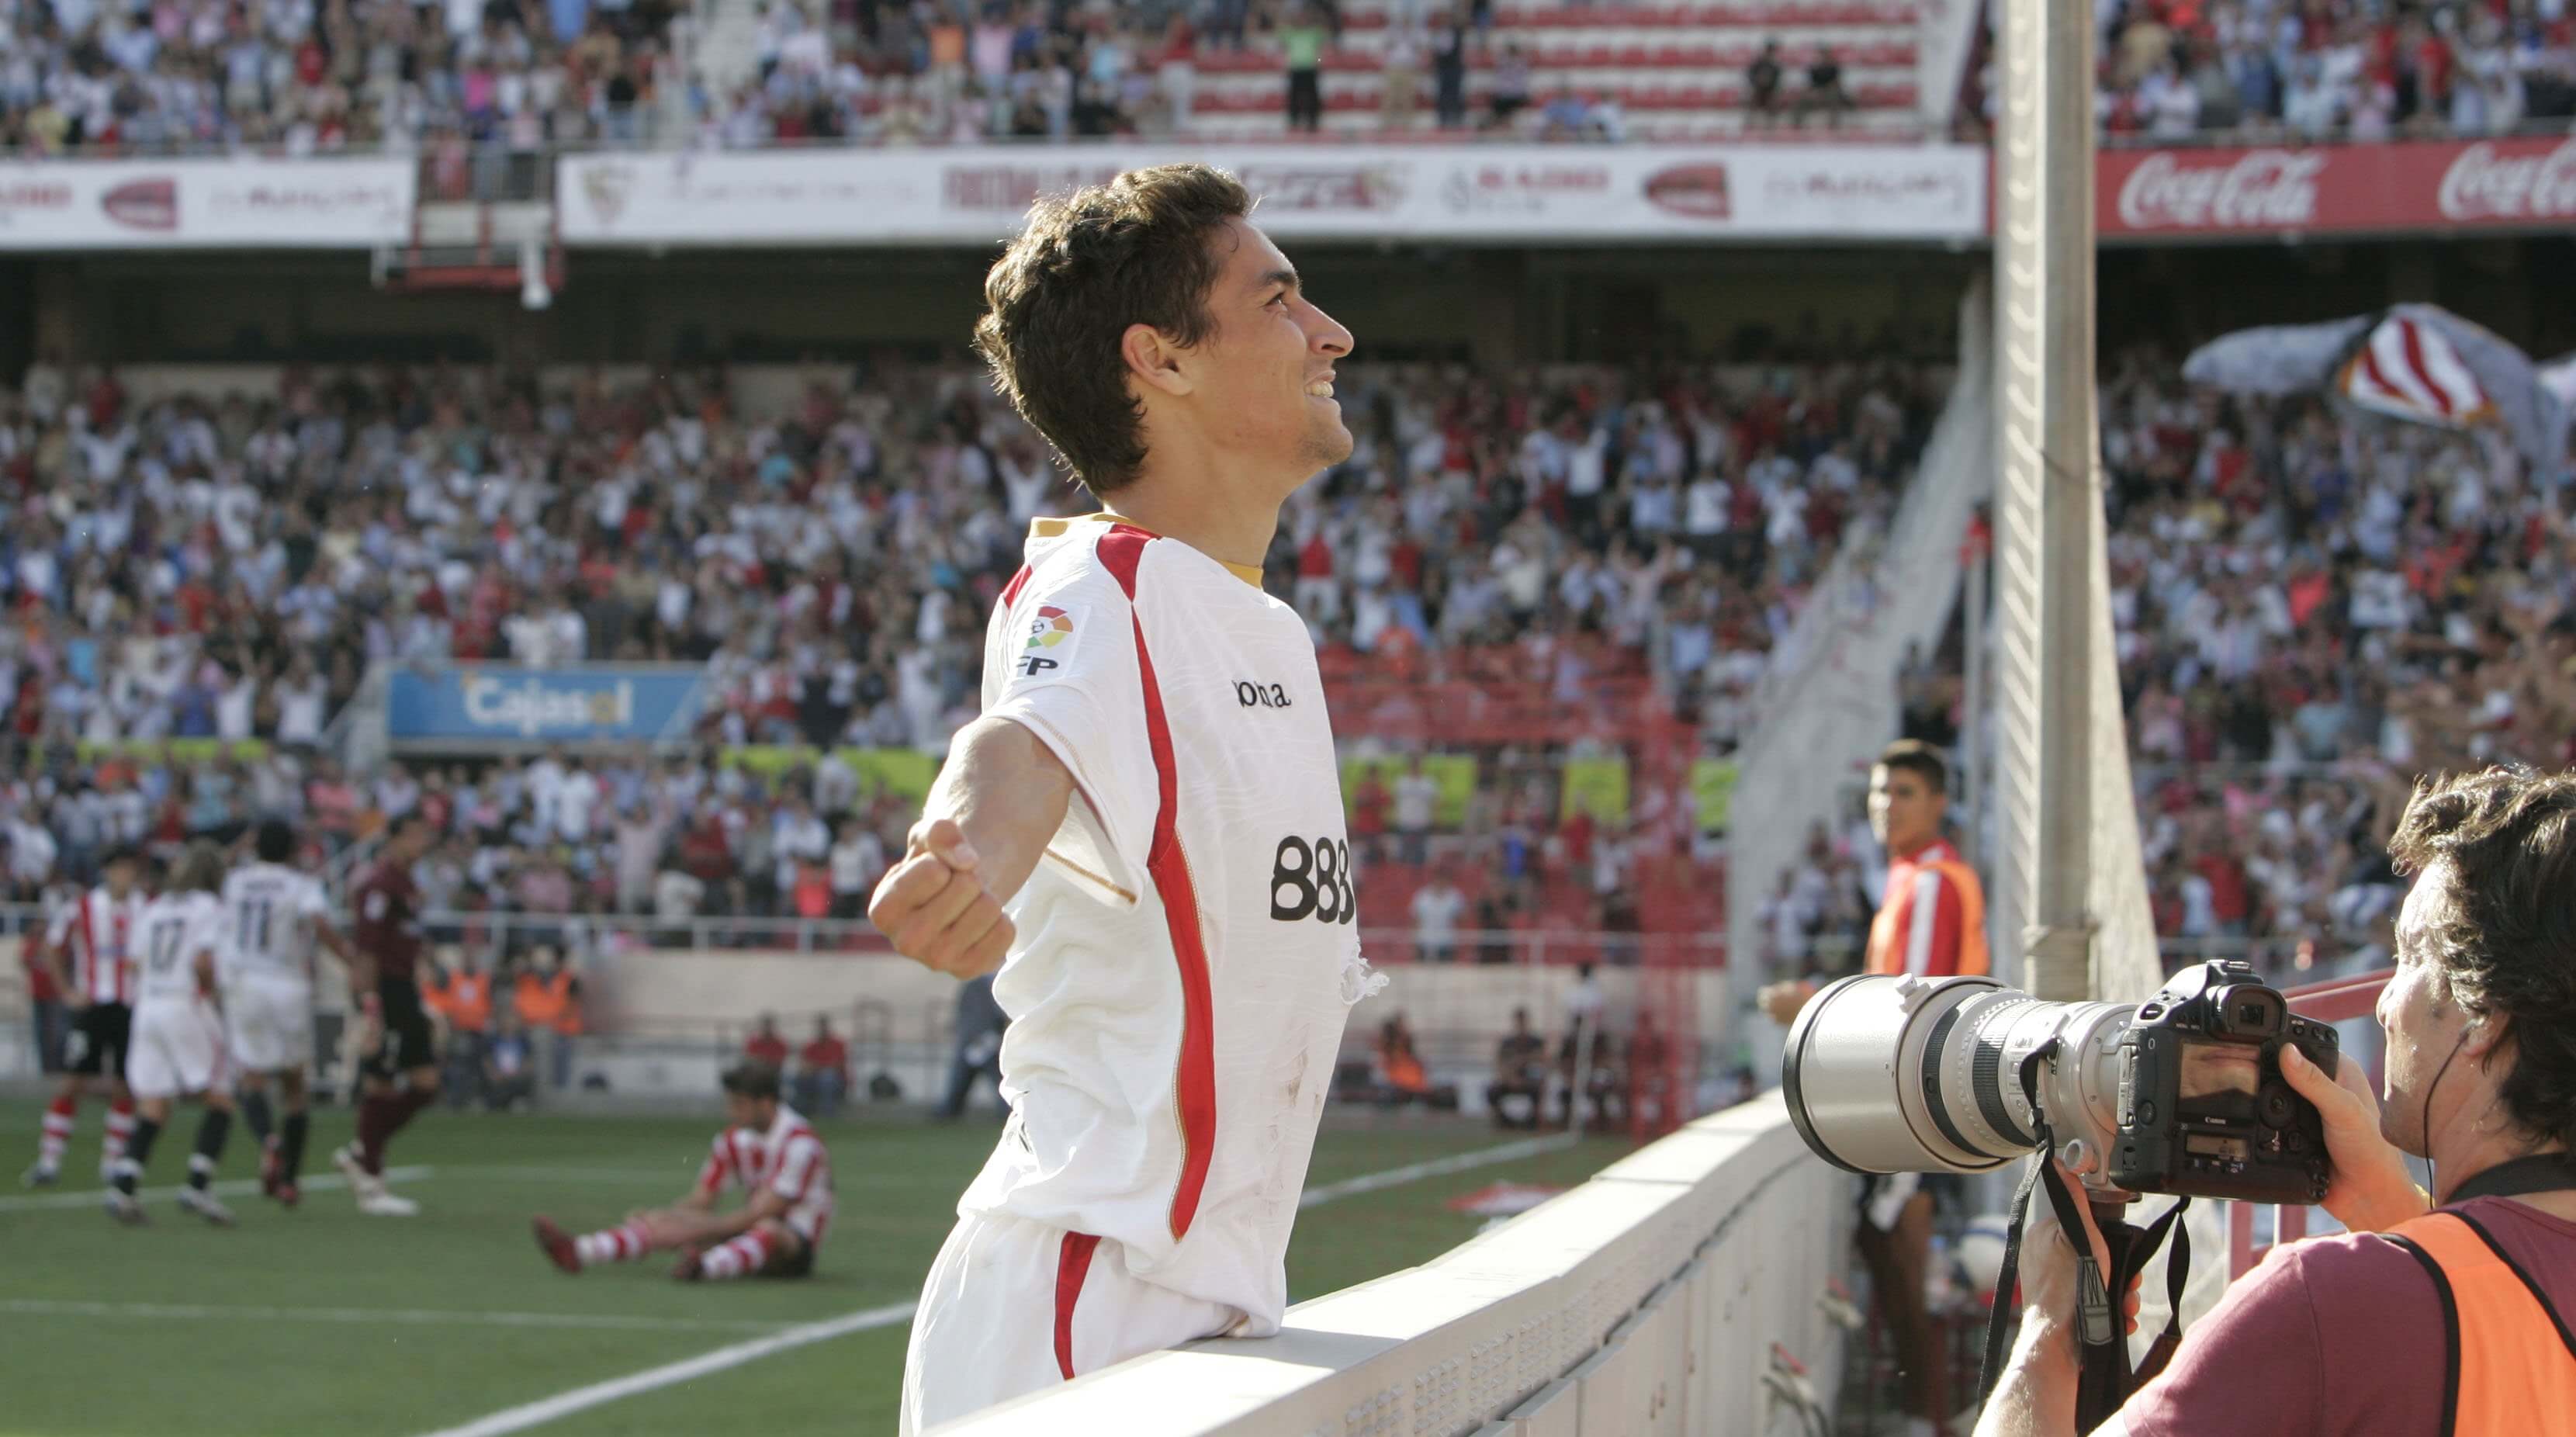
x: 227, y: 567
x: 2348, y: 69
x: 1028, y: 72
x: 2312, y: 606
x: 302, y: 76
x: 2313, y: 609
x: 513, y: 77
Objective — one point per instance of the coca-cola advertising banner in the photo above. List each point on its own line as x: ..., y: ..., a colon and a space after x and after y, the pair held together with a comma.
x: 249, y: 203
x: 2337, y: 189
x: 1511, y: 194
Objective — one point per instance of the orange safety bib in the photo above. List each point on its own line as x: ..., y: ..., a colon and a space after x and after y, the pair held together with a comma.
x: 2510, y: 1356
x: 537, y: 1001
x: 469, y: 1002
x: 567, y: 1007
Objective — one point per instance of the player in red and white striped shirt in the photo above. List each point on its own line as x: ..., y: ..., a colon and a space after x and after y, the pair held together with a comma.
x: 766, y: 1149
x: 90, y: 946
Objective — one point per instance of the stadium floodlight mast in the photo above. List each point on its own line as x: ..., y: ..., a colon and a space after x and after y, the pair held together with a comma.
x: 2048, y: 494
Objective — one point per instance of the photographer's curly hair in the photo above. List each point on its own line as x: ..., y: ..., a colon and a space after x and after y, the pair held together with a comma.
x: 2504, y: 939
x: 1133, y: 251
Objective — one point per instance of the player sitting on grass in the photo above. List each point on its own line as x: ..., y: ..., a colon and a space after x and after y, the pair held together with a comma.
x: 765, y: 1148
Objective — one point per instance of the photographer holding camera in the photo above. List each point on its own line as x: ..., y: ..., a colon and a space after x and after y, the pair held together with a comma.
x: 2454, y: 1318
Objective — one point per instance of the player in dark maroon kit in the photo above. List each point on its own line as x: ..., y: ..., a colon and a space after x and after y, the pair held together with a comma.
x: 395, y: 1035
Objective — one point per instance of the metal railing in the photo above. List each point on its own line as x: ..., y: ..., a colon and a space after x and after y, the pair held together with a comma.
x: 496, y: 934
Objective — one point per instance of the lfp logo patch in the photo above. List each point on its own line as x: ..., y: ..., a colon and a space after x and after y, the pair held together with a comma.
x: 1052, y: 633
x: 1051, y: 627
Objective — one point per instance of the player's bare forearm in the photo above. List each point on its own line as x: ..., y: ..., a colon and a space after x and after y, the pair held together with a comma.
x: 1007, y: 791
x: 1000, y: 798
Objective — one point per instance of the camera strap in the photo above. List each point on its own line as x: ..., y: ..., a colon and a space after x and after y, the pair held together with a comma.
x: 2105, y: 1379
x: 2540, y: 1173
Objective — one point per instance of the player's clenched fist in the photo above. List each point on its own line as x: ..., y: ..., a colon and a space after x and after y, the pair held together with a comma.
x: 934, y: 907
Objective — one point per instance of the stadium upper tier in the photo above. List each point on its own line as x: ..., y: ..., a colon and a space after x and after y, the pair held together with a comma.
x: 294, y: 77
x: 2172, y: 69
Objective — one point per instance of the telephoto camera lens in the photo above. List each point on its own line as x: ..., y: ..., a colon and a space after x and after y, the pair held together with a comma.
x: 1890, y: 1074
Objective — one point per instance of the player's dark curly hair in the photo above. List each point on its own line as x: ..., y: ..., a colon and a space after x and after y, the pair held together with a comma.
x: 2504, y: 938
x: 1914, y: 756
x: 752, y: 1078
x: 1133, y: 251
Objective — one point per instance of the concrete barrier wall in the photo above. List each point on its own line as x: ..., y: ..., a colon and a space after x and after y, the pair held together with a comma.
x: 1647, y: 1301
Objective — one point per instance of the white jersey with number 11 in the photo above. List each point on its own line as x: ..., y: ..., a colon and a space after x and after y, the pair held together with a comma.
x: 269, y: 913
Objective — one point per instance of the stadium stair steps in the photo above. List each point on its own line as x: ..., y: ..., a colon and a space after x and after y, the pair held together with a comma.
x: 1676, y: 71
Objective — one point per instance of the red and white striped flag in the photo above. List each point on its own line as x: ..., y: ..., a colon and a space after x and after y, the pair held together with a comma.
x: 2410, y: 371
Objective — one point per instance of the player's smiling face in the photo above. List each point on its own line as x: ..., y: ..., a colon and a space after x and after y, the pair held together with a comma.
x: 1266, y: 372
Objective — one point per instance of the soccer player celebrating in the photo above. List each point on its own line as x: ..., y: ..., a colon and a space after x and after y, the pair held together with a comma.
x: 96, y: 936
x: 179, y: 1034
x: 767, y: 1150
x: 383, y: 974
x: 1144, y: 829
x: 273, y: 915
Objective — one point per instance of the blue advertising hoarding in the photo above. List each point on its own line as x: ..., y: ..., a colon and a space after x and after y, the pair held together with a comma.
x: 505, y: 704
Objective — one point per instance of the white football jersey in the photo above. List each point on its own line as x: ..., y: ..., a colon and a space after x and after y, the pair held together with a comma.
x: 269, y: 913
x: 1187, y: 951
x: 176, y: 928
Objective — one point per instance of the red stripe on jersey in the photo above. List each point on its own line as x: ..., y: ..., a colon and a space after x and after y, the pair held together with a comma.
x: 1194, y: 1085
x: 87, y: 977
x: 1072, y: 1265
x: 816, y: 1160
x: 1120, y: 550
x: 1011, y: 590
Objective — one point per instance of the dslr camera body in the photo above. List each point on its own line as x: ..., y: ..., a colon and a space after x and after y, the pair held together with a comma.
x: 2181, y: 1094
x: 2202, y: 1106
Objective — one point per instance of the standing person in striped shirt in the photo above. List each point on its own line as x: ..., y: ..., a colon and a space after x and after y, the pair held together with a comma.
x: 1143, y: 831
x: 1932, y: 915
x: 1931, y: 923
x: 766, y: 1149
x: 90, y: 947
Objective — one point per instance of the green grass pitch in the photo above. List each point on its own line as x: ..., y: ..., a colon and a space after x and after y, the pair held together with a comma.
x: 321, y: 1321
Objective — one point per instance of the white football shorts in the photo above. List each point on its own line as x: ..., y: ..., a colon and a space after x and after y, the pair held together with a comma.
x: 177, y: 1050
x: 1012, y: 1306
x: 271, y: 1026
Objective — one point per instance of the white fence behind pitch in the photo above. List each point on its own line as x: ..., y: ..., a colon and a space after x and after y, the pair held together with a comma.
x: 1645, y: 1302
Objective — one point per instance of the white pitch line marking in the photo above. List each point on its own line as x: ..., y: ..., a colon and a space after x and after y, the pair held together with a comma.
x: 420, y: 1317
x: 229, y: 1187
x: 534, y: 1414
x: 579, y: 1399
x: 1435, y: 1167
